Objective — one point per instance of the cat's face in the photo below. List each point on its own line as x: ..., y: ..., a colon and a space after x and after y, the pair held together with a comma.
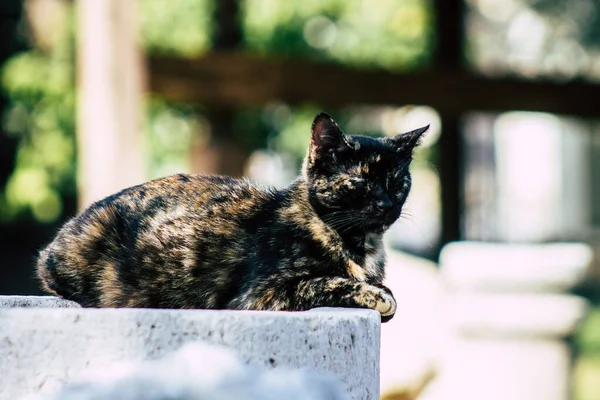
x: 355, y: 182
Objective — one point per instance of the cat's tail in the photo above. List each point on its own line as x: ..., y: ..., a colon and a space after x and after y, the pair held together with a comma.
x: 53, y: 281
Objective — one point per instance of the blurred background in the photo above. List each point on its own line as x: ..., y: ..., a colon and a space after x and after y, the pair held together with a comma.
x: 100, y: 95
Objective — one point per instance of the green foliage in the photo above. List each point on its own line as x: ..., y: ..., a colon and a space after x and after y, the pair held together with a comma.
x: 585, y: 377
x: 169, y: 129
x: 291, y: 128
x: 40, y: 84
x: 588, y: 336
x: 587, y: 365
x: 41, y: 113
x: 181, y: 28
x: 385, y: 33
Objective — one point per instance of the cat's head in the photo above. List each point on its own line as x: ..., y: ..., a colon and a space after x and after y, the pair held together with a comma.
x: 356, y: 182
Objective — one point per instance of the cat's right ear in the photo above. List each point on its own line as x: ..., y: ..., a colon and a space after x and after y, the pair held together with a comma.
x: 326, y: 136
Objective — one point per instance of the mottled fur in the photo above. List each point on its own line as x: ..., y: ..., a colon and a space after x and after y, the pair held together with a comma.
x: 189, y: 241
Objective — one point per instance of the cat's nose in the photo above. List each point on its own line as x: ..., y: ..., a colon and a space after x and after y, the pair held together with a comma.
x: 383, y: 203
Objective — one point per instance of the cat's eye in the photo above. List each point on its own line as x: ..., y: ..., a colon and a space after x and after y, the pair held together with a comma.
x: 356, y: 183
x: 395, y: 179
x: 392, y: 181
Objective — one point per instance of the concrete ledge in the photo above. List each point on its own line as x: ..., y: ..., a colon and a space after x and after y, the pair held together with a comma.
x: 39, y: 347
x: 36, y: 302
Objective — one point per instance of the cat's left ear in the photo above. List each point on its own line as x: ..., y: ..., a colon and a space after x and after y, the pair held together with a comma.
x: 408, y: 140
x: 326, y: 136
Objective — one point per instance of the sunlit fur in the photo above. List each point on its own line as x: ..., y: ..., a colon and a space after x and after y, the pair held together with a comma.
x: 192, y: 241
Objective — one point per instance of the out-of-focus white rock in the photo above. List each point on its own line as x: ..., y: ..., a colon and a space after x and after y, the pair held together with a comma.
x: 36, y: 302
x: 197, y: 371
x: 507, y: 314
x: 42, y: 348
x: 410, y: 342
x: 515, y: 314
x: 475, y: 368
x: 552, y: 267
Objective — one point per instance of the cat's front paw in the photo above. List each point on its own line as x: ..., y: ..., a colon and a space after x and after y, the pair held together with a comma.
x: 379, y: 298
x: 386, y: 305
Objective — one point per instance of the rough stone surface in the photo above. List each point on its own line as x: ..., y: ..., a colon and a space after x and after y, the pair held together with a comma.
x: 40, y: 347
x: 197, y: 371
x: 36, y: 302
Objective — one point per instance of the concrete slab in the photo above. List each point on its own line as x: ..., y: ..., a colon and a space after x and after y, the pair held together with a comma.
x: 197, y: 371
x: 41, y: 347
x: 36, y: 302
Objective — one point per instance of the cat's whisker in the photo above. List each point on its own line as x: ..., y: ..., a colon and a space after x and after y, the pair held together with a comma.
x: 349, y: 219
x: 411, y: 223
x: 336, y: 214
x: 344, y: 226
x: 355, y: 223
x: 338, y: 217
x: 335, y: 218
x: 406, y: 213
x: 339, y: 220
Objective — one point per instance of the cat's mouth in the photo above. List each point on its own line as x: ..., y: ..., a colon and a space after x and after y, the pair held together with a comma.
x: 361, y: 220
x: 381, y: 223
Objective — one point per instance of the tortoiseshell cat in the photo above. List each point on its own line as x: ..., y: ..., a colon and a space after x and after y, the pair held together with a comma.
x: 190, y: 241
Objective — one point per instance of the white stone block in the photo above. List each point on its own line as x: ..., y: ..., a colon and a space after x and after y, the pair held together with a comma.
x: 553, y: 267
x: 39, y: 347
x: 478, y: 368
x: 197, y: 371
x: 508, y: 313
x: 410, y: 341
x: 515, y: 315
x: 36, y: 302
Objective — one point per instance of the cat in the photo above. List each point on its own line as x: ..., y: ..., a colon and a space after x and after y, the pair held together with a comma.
x: 214, y: 242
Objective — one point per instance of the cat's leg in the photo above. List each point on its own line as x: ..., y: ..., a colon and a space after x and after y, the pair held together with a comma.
x: 342, y: 292
x: 303, y: 294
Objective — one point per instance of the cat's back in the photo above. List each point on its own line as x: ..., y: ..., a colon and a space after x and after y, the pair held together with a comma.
x: 204, y: 201
x: 167, y: 217
x: 193, y: 191
x: 183, y: 196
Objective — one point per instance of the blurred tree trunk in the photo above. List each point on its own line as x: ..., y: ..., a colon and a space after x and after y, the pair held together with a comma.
x: 449, y: 56
x: 111, y: 82
x: 224, y: 154
x: 10, y: 15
